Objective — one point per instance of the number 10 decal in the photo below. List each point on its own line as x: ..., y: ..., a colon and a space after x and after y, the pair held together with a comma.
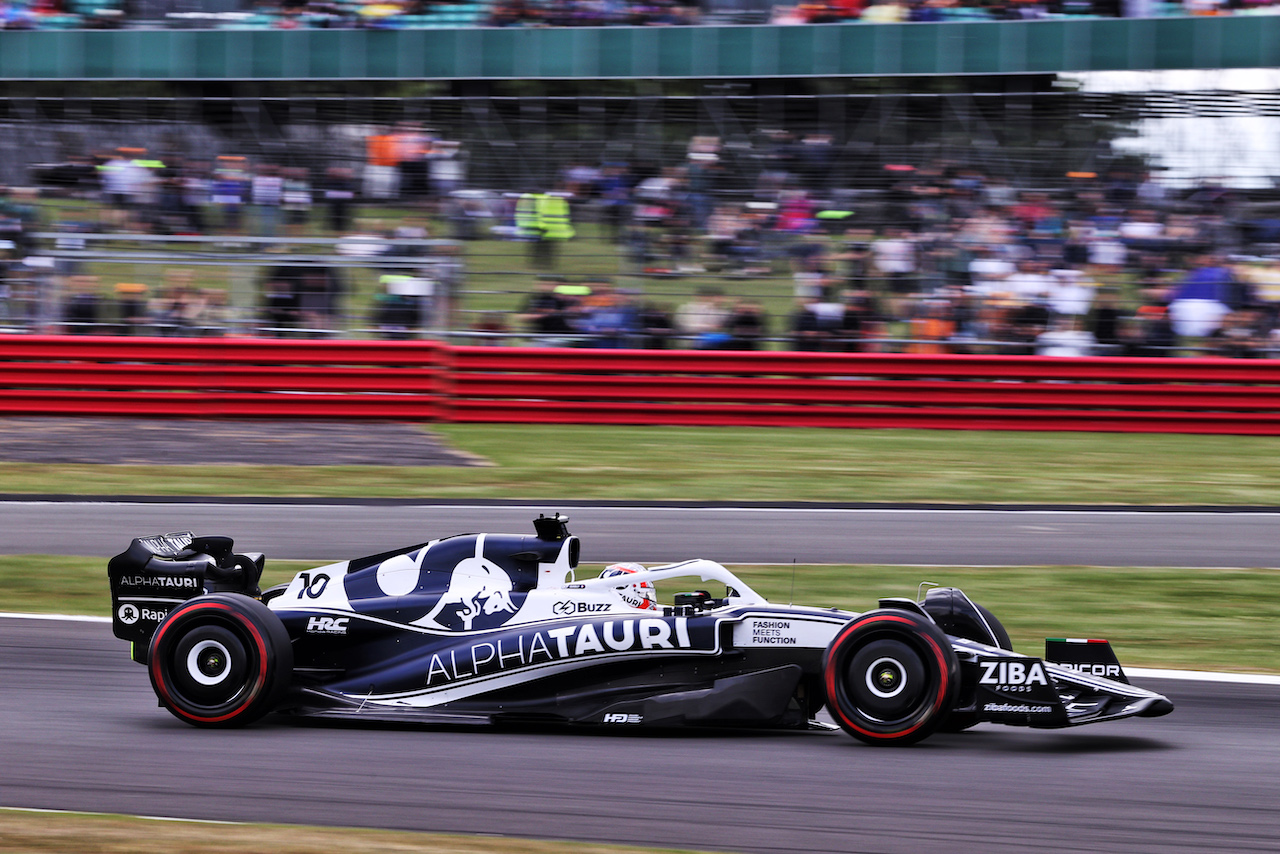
x: 313, y: 586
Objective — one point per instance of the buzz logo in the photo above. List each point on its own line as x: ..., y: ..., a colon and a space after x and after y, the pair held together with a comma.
x: 1015, y: 676
x: 620, y: 718
x: 566, y: 608
x: 327, y: 625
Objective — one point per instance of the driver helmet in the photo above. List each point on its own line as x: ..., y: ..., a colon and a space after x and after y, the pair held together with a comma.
x: 639, y: 594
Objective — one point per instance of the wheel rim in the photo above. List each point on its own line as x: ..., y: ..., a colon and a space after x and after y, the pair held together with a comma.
x: 886, y: 681
x: 886, y: 678
x: 209, y: 662
x: 211, y: 668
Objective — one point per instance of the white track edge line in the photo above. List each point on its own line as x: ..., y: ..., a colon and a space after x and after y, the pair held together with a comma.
x: 119, y: 815
x: 66, y: 618
x: 959, y: 510
x: 1204, y: 676
x: 1140, y: 672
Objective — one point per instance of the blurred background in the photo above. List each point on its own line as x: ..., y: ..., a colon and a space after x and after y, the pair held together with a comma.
x: 1064, y: 178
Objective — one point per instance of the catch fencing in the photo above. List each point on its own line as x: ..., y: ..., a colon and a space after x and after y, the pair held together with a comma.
x: 433, y: 381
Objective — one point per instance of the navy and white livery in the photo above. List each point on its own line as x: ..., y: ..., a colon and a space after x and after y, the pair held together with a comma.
x: 493, y: 628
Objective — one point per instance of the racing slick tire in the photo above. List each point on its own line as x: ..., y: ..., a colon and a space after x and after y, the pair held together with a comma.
x: 222, y: 660
x: 961, y: 721
x: 890, y: 677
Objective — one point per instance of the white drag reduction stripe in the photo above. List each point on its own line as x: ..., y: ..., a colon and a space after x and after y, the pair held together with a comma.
x: 1140, y: 672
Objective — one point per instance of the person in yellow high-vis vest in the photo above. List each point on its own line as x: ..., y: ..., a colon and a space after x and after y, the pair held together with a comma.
x: 552, y: 226
x: 527, y: 226
x: 553, y: 214
x: 527, y: 216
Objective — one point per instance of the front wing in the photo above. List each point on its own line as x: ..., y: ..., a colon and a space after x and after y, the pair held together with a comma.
x: 1004, y: 687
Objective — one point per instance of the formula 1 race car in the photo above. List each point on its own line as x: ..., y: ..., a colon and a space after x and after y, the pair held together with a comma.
x: 493, y: 628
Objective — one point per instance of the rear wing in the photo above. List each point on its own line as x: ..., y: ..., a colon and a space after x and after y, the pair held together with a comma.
x: 156, y: 573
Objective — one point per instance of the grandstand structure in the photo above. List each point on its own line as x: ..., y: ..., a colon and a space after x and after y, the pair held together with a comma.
x: 525, y: 102
x: 544, y: 53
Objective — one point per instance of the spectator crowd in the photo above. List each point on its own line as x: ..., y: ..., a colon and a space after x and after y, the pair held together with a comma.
x: 945, y: 259
x: 939, y: 257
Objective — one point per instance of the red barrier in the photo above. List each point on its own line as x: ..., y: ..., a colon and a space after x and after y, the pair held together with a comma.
x: 219, y: 351
x: 417, y: 380
x: 864, y: 390
x: 857, y: 390
x: 219, y: 377
x: 212, y: 405
x: 264, y: 378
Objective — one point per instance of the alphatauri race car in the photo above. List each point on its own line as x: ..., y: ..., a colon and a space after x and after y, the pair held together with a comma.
x: 499, y: 628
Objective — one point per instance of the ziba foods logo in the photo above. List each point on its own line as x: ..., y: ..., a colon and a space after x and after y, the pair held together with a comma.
x: 1013, y: 676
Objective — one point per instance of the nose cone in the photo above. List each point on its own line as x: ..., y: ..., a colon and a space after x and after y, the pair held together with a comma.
x: 1156, y: 707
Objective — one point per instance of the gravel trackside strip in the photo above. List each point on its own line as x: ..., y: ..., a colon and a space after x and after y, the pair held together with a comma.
x: 145, y: 441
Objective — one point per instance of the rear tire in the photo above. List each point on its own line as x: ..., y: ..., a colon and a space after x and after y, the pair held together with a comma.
x: 222, y: 660
x: 890, y: 677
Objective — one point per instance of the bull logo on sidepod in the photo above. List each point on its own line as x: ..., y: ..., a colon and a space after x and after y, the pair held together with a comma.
x: 448, y: 584
x: 478, y: 597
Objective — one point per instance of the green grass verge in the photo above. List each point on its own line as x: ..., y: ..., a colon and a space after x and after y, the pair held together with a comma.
x: 1203, y: 619
x: 743, y: 464
x: 23, y: 832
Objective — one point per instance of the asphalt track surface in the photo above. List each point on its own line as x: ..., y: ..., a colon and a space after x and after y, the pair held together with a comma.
x: 322, y: 530
x: 82, y: 732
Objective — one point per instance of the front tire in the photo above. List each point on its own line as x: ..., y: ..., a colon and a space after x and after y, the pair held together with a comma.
x: 890, y: 677
x: 222, y: 660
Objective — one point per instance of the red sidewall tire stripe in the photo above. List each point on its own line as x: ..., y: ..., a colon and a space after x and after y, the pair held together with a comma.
x: 830, y: 675
x: 162, y: 686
